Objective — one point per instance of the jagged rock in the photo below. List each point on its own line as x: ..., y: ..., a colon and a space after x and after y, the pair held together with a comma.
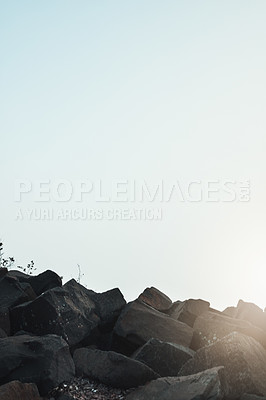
x: 207, y: 385
x: 67, y: 312
x: 251, y: 397
x: 108, y: 305
x: 164, y: 358
x: 187, y: 311
x: 210, y: 327
x: 11, y: 292
x: 244, y: 360
x: 252, y: 313
x: 3, y: 272
x: 139, y: 322
x: 40, y: 283
x: 5, y: 320
x: 112, y: 368
x: 16, y: 390
x: 2, y: 333
x: 45, y: 361
x: 156, y: 299
x: 230, y: 312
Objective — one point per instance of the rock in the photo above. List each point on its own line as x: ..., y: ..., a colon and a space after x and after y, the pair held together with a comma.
x: 107, y: 305
x: 252, y: 313
x: 164, y: 358
x: 244, y: 360
x: 112, y: 368
x: 251, y: 397
x: 41, y: 283
x: 230, y: 312
x: 3, y: 272
x: 16, y: 390
x: 45, y: 361
x: 156, y: 299
x: 65, y: 397
x: 11, y: 292
x: 207, y: 385
x: 5, y: 320
x: 139, y: 323
x: 66, y: 312
x: 2, y: 333
x: 187, y: 311
x: 210, y: 327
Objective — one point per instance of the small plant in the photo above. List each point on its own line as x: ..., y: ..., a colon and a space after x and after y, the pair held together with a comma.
x: 29, y: 269
x: 10, y: 261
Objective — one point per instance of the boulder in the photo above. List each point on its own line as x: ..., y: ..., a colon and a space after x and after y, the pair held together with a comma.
x: 156, y: 299
x: 207, y: 385
x: 210, y: 327
x: 107, y: 305
x: 244, y: 360
x: 45, y: 361
x: 164, y: 358
x: 5, y: 320
x: 11, y: 292
x: 40, y: 283
x: 252, y: 313
x: 230, y: 312
x: 251, y: 397
x: 112, y: 368
x: 16, y: 390
x: 187, y: 311
x: 2, y: 333
x: 67, y: 312
x: 139, y: 323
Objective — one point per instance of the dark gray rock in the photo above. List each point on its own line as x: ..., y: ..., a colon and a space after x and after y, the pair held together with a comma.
x: 207, y: 385
x: 139, y: 323
x: 112, y: 368
x: 244, y: 360
x: 187, y: 311
x: 16, y: 390
x: 68, y: 312
x: 251, y: 397
x: 45, y: 361
x: 156, y: 299
x: 2, y: 333
x: 210, y: 327
x: 164, y: 358
x: 11, y: 292
x: 40, y: 283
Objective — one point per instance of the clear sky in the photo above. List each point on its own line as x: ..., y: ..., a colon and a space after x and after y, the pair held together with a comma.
x: 138, y: 90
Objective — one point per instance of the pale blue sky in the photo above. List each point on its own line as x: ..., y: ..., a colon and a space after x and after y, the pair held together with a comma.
x: 139, y: 90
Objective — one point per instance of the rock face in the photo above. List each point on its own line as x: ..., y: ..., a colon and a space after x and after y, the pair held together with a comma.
x: 251, y: 313
x: 244, y: 360
x: 16, y: 390
x: 11, y: 292
x: 112, y: 368
x: 139, y: 323
x: 164, y: 358
x: 66, y: 312
x: 187, y: 311
x: 207, y: 385
x: 210, y: 327
x: 41, y: 283
x: 156, y: 299
x: 45, y: 361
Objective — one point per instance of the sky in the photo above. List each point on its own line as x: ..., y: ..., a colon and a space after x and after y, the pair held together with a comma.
x: 115, y: 94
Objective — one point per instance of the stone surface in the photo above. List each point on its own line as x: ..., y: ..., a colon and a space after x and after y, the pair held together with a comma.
x: 210, y: 327
x: 156, y: 299
x: 2, y: 333
x: 139, y: 323
x: 207, y: 385
x: 40, y: 283
x: 11, y: 292
x: 67, y: 312
x: 45, y: 361
x: 251, y: 397
x: 252, y: 313
x: 244, y: 360
x: 16, y: 390
x: 112, y: 368
x: 164, y: 358
x: 187, y: 311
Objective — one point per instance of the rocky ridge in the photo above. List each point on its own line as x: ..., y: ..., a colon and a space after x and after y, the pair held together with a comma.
x: 65, y: 342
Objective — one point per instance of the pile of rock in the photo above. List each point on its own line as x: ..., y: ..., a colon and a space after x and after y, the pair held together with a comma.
x: 67, y: 342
